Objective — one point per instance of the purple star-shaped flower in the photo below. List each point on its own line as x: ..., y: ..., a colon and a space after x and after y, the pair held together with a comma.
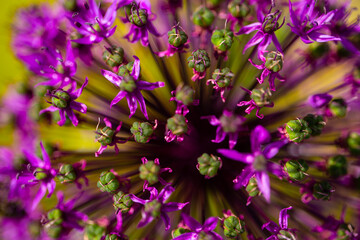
x: 130, y: 88
x: 257, y: 161
x: 282, y: 231
x: 155, y: 206
x: 43, y: 174
x: 308, y: 25
x: 92, y: 24
x: 64, y: 102
x: 265, y: 28
x: 205, y: 231
x: 254, y: 105
x: 228, y: 124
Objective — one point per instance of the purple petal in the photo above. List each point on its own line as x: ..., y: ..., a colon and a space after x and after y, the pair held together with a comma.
x: 212, y: 120
x: 51, y: 187
x: 136, y: 199
x: 273, y: 148
x: 233, y: 140
x: 187, y: 236
x: 276, y: 42
x: 132, y: 104
x: 259, y: 136
x: 173, y: 206
x: 45, y: 156
x: 249, y: 28
x: 243, y: 179
x: 191, y: 223
x: 112, y: 77
x: 107, y: 123
x: 319, y: 37
x: 220, y: 135
x: 237, y: 156
x: 258, y: 37
x: 319, y: 100
x: 33, y: 160
x: 142, y: 85
x: 210, y: 224
x: 271, y: 227
x: 142, y: 104
x: 110, y: 14
x: 70, y: 113
x: 49, y: 109
x: 40, y: 194
x: 151, y: 28
x: 166, y: 220
x: 146, y: 219
x: 78, y: 92
x: 293, y: 16
x: 283, y: 218
x: 215, y: 236
x: 165, y: 193
x: 136, y: 68
x: 118, y: 97
x: 80, y: 107
x: 263, y: 182
x: 62, y: 117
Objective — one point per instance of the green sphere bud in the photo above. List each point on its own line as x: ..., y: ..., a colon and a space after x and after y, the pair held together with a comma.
x: 113, y: 56
x: 153, y: 208
x: 54, y: 231
x: 108, y: 182
x: 338, y: 107
x: 252, y: 187
x: 67, y: 173
x: 322, y: 190
x: 185, y: 94
x: 55, y: 216
x: 125, y: 70
x: 261, y: 96
x: 40, y: 174
x: 223, y: 77
x: 353, y: 143
x: 60, y: 99
x: 149, y: 171
x: 239, y: 9
x: 199, y: 60
x: 178, y: 231
x: 142, y: 131
x: 105, y: 136
x: 128, y: 84
x: 177, y: 37
x: 94, y: 231
x: 233, y: 227
x: 203, y: 17
x: 230, y: 123
x: 298, y: 130
x: 274, y: 61
x: 112, y: 237
x: 296, y: 169
x: 315, y: 123
x: 270, y: 23
x: 222, y: 39
x: 337, y: 166
x: 345, y: 232
x: 208, y: 165
x: 177, y: 125
x: 122, y: 202
x: 138, y: 17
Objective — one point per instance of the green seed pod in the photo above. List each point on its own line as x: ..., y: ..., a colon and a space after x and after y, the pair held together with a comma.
x: 177, y: 125
x: 338, y: 107
x: 108, y: 182
x: 316, y: 123
x: 185, y: 94
x: 345, y: 232
x: 270, y: 23
x: 296, y: 169
x: 285, y: 235
x: 60, y: 99
x: 54, y: 231
x: 40, y: 174
x: 55, y: 216
x: 138, y: 17
x: 322, y: 190
x: 113, y: 56
x: 153, y: 208
x: 128, y: 84
x: 223, y: 77
x: 222, y: 39
x: 238, y: 8
x: 178, y: 231
x: 298, y: 130
x: 142, y: 131
x: 122, y: 202
x: 353, y: 143
x: 112, y: 237
x: 252, y: 187
x: 233, y: 226
x: 337, y: 166
x: 203, y: 17
x: 208, y: 165
x: 67, y: 173
x: 261, y: 96
x: 199, y: 60
x: 318, y: 50
x: 94, y: 231
x: 105, y: 136
x: 149, y: 171
x: 177, y: 37
x: 274, y: 61
x: 125, y: 70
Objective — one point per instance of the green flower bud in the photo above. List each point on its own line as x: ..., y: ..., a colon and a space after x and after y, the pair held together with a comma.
x: 112, y: 237
x: 208, y: 165
x: 315, y: 123
x: 55, y: 216
x: 261, y: 96
x: 274, y: 61
x: 70, y: 5
x: 94, y: 231
x: 149, y: 171
x: 125, y: 70
x: 105, y: 136
x: 138, y: 17
x: 108, y: 182
x: 222, y: 39
x: 338, y: 107
x: 185, y: 94
x: 203, y: 17
x: 177, y: 37
x: 60, y: 99
x: 337, y: 166
x: 177, y: 125
x: 322, y: 190
x: 113, y: 56
x: 285, y: 235
x: 142, y: 131
x: 296, y: 169
x: 233, y: 227
x: 223, y: 77
x: 238, y: 8
x: 298, y: 130
x: 40, y: 174
x: 128, y: 84
x: 318, y: 50
x: 67, y: 173
x: 122, y: 202
x: 53, y: 227
x: 345, y: 232
x: 230, y: 123
x: 153, y: 208
x: 214, y: 3
x: 252, y: 187
x: 199, y: 60
x: 353, y: 143
x: 54, y: 231
x: 271, y: 23
x: 178, y: 231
